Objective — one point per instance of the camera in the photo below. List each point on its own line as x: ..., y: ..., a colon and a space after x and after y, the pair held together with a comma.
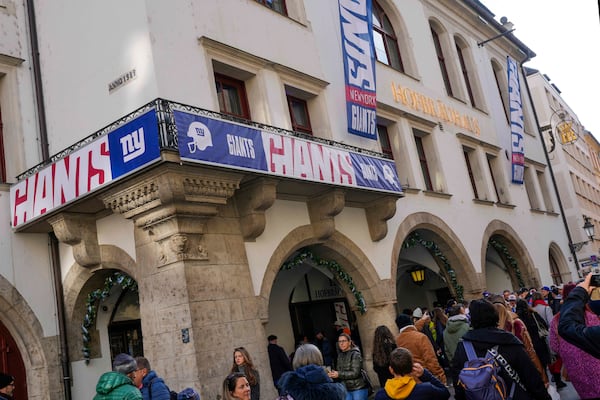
x: 595, y: 279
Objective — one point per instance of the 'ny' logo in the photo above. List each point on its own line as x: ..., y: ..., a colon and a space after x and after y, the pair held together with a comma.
x: 133, y: 145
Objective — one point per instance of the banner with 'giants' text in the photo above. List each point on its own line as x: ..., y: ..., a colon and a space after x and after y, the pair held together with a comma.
x: 516, y: 122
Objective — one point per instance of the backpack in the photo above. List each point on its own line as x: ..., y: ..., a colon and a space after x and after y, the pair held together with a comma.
x: 172, y: 393
x: 480, y: 376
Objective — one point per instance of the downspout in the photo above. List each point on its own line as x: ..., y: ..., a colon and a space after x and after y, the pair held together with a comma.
x: 52, y: 240
x: 560, y: 205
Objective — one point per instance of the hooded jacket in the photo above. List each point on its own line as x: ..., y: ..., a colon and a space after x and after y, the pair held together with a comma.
x: 456, y: 327
x: 311, y: 383
x: 349, y: 364
x: 405, y: 387
x: 153, y: 385
x: 421, y: 349
x: 514, y: 353
x: 116, y: 386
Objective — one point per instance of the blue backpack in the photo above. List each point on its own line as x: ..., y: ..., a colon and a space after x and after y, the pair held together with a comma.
x: 480, y: 376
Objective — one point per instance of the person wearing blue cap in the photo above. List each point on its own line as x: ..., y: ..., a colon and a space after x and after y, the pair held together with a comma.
x: 188, y: 394
x: 118, y: 383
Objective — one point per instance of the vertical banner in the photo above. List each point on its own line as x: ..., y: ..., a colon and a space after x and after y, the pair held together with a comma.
x: 359, y: 67
x: 516, y: 122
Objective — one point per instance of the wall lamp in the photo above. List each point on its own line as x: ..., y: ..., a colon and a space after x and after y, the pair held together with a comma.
x: 588, y: 227
x: 417, y: 274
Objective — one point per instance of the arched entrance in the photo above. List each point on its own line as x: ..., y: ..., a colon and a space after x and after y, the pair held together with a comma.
x: 12, y: 363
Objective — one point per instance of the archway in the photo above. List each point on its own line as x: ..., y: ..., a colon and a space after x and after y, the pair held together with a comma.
x: 11, y: 362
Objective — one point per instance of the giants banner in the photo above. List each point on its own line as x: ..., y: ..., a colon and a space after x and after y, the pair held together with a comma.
x: 224, y: 143
x: 516, y: 122
x: 107, y: 158
x: 359, y: 67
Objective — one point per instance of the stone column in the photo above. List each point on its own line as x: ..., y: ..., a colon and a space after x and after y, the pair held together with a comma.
x: 197, y: 301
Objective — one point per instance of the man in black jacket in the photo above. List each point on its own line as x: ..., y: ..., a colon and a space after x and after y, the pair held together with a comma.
x: 484, y: 336
x: 278, y: 359
x: 572, y: 326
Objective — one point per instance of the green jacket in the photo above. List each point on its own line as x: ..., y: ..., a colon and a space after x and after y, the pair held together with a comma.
x: 349, y: 364
x: 116, y: 386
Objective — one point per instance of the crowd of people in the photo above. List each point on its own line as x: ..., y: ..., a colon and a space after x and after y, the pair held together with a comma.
x: 534, y: 334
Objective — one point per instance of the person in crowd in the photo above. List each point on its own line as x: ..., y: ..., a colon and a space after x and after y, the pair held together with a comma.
x: 422, y: 321
x: 523, y: 293
x: 572, y: 325
x: 188, y: 394
x: 510, y: 322
x: 549, y: 295
x: 437, y: 326
x: 533, y: 322
x: 278, y: 359
x: 419, y: 345
x: 242, y: 362
x: 349, y: 365
x: 236, y: 387
x: 341, y: 327
x: 457, y: 325
x: 576, y: 361
x: 383, y: 345
x: 150, y: 384
x: 324, y: 346
x: 505, y: 294
x: 486, y: 335
x: 7, y: 386
x: 118, y: 383
x: 512, y: 302
x: 540, y: 306
x: 309, y: 379
x: 410, y: 380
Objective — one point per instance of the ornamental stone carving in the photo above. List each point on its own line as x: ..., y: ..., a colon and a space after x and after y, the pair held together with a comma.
x: 79, y: 231
x: 323, y: 209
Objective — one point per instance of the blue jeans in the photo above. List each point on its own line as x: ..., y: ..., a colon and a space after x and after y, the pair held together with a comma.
x: 360, y: 394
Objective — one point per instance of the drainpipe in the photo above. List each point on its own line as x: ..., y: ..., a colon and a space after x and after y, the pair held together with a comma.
x: 52, y: 240
x: 560, y: 205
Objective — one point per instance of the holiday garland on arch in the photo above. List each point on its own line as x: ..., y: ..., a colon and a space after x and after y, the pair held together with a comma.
x: 335, y: 268
x: 91, y: 305
x: 414, y: 239
x: 503, y: 251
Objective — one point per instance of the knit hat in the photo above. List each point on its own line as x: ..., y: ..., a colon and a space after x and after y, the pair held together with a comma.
x: 124, y: 363
x: 5, y: 380
x: 512, y: 297
x: 403, y: 320
x: 188, y: 394
x: 418, y: 313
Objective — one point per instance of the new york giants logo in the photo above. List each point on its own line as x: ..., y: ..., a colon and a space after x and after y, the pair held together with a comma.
x: 133, y: 145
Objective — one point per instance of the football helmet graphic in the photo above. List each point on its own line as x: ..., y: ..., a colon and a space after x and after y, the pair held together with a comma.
x: 200, y: 137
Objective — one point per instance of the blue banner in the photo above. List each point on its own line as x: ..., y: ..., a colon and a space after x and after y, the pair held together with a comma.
x: 516, y: 122
x: 358, y: 53
x: 223, y: 143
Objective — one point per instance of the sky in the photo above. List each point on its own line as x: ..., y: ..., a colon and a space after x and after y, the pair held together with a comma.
x: 565, y: 35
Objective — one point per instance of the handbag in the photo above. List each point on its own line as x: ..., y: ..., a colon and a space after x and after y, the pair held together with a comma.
x: 365, y: 377
x: 541, y: 325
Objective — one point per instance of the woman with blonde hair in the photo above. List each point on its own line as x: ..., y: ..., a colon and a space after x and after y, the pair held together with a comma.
x: 242, y: 362
x: 236, y: 387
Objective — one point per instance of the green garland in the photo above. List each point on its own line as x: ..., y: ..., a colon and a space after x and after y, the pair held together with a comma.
x: 125, y: 281
x: 333, y: 267
x: 414, y: 239
x: 503, y: 250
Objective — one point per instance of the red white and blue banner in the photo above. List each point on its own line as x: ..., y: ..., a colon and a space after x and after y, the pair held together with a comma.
x: 218, y: 142
x: 108, y: 158
x: 516, y: 122
x: 359, y: 67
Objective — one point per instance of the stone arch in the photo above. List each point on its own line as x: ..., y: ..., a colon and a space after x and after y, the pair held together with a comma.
x: 448, y: 242
x: 515, y: 247
x: 78, y: 277
x: 39, y: 353
x: 556, y: 253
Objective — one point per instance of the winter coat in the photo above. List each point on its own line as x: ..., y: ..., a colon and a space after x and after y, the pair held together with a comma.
x: 456, y: 327
x: 153, y: 384
x: 405, y: 387
x: 519, y: 329
x: 349, y: 364
x: 513, y: 352
x: 422, y: 350
x: 577, y: 362
x: 116, y: 386
x: 311, y: 383
x: 279, y: 361
x: 572, y: 326
x: 544, y: 311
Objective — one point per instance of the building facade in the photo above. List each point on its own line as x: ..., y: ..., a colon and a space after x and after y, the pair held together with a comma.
x: 573, y: 154
x: 181, y: 179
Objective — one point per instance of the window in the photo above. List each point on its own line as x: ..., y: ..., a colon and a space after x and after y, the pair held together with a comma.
x: 492, y: 162
x: 465, y: 73
x: 232, y: 96
x: 546, y: 196
x: 384, y: 140
x: 501, y: 85
x: 2, y: 159
x: 299, y: 115
x: 442, y: 61
x: 423, y: 159
x: 384, y: 38
x: 531, y: 189
x: 275, y: 5
x: 467, y: 153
